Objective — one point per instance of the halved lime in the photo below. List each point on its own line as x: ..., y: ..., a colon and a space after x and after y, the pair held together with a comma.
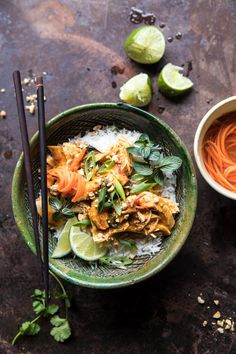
x: 171, y: 81
x: 63, y: 245
x: 83, y: 245
x: 145, y: 45
x: 137, y: 90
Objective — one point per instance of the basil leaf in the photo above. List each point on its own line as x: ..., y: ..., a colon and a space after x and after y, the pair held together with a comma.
x: 142, y: 169
x: 67, y: 204
x: 101, y: 199
x: 142, y: 187
x: 168, y: 164
x: 158, y: 177
x: 55, y: 203
x: 155, y: 156
x: 56, y: 216
x: 145, y: 151
x: 137, y: 177
x: 119, y: 189
x: 67, y: 213
x: 134, y: 151
x: 143, y: 139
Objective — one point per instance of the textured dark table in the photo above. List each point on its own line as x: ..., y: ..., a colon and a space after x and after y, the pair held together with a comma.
x: 76, y: 43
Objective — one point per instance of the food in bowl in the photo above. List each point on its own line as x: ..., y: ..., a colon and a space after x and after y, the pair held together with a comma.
x: 111, y: 195
x: 219, y: 151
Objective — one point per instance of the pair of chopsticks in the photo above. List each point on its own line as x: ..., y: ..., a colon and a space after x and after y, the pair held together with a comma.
x: 29, y: 173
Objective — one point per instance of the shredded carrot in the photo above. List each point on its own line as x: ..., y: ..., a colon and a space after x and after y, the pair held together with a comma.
x: 69, y: 183
x: 219, y: 151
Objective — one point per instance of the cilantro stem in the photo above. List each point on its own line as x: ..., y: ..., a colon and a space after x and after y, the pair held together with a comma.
x: 19, y: 333
x: 62, y: 288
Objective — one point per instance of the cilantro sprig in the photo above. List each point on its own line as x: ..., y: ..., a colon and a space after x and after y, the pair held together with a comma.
x: 154, y: 166
x: 60, y: 326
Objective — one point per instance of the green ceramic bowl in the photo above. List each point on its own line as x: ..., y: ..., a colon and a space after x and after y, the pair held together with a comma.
x: 79, y: 119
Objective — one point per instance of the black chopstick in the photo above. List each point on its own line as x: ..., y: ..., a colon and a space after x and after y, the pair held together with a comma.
x: 27, y: 161
x: 43, y: 175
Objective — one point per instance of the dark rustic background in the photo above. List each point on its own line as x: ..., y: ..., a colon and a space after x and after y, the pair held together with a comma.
x: 76, y: 43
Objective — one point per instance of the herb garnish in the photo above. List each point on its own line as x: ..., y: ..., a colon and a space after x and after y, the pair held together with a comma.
x: 61, y: 327
x: 61, y: 208
x: 111, y: 199
x: 155, y: 167
x: 116, y: 261
x: 89, y: 166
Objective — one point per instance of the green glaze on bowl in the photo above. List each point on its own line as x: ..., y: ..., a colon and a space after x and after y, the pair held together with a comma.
x: 79, y: 119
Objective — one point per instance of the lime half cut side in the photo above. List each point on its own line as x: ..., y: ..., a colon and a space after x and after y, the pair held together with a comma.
x: 63, y: 247
x: 83, y: 245
x: 145, y: 45
x: 137, y: 90
x: 171, y: 81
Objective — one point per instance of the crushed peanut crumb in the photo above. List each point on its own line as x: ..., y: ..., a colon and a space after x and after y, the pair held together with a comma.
x: 30, y: 108
x: 220, y: 323
x: 3, y: 114
x: 217, y: 314
x: 216, y: 302
x: 204, y: 323
x: 200, y: 300
x: 220, y: 330
x: 26, y: 81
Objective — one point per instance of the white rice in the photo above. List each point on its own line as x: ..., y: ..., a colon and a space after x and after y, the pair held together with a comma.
x: 104, y: 138
x: 145, y: 247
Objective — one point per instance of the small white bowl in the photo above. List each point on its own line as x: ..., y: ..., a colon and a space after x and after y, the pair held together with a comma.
x: 226, y: 106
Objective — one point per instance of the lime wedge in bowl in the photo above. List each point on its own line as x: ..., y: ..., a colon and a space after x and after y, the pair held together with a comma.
x: 137, y: 90
x: 63, y: 245
x: 145, y: 45
x: 83, y: 245
x: 171, y: 81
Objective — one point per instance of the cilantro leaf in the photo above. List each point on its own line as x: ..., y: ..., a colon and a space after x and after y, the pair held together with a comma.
x: 38, y: 307
x: 61, y: 328
x: 29, y: 329
x: 52, y: 309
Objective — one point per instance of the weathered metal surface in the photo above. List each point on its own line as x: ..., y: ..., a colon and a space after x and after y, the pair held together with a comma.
x: 77, y: 43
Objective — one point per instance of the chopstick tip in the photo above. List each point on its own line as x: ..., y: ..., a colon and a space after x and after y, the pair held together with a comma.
x: 39, y: 81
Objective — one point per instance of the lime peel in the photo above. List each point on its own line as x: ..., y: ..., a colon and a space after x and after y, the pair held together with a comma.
x: 171, y: 81
x: 63, y: 247
x: 137, y: 90
x: 145, y: 45
x: 83, y: 245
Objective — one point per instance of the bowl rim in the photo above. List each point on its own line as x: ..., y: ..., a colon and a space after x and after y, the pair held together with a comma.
x: 134, y: 277
x: 197, y: 148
